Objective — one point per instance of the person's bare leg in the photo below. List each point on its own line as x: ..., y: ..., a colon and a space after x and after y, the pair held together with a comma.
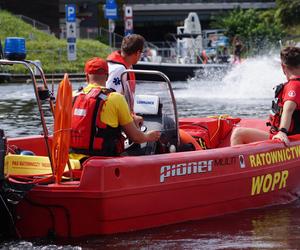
x: 247, y: 135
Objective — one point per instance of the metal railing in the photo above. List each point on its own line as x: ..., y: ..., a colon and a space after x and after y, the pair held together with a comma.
x: 36, y: 24
x: 102, y: 35
x: 96, y: 33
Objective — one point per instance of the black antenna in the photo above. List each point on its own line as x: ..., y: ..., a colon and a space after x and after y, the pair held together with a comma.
x: 3, y: 148
x: 1, y: 51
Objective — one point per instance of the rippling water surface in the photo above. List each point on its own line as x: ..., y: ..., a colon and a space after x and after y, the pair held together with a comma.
x: 246, y: 91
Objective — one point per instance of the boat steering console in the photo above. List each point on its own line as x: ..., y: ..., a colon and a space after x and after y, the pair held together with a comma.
x: 155, y: 102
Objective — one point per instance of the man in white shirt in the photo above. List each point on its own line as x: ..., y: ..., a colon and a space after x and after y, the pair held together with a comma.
x: 118, y: 61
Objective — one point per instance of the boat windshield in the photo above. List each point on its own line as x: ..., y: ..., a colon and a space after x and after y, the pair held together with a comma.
x: 154, y: 101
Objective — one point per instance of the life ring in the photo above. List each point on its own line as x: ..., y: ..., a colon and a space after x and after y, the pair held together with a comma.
x: 62, y: 128
x: 186, y: 138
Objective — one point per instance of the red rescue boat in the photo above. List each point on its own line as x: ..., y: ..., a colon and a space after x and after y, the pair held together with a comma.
x: 190, y: 174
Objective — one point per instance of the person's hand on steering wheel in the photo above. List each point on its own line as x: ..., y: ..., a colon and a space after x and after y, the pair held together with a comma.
x: 152, y: 135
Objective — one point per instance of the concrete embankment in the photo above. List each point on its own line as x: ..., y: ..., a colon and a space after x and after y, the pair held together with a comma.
x: 53, y: 77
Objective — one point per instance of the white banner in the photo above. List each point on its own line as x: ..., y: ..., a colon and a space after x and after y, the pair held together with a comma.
x: 128, y: 24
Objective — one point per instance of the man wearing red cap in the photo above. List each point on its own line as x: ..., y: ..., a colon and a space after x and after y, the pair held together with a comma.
x: 99, y: 114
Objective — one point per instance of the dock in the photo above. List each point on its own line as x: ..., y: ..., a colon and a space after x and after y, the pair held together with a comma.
x: 52, y: 77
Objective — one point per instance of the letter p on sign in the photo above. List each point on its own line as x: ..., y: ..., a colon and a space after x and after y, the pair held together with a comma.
x: 70, y: 12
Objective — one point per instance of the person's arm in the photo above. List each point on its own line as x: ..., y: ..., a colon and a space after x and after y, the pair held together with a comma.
x: 137, y: 135
x: 285, y: 122
x: 138, y: 120
x: 127, y: 123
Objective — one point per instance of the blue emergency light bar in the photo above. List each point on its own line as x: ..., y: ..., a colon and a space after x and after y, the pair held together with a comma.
x: 14, y: 48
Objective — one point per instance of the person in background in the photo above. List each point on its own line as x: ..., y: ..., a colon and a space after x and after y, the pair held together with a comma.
x: 237, y: 49
x: 223, y: 55
x: 285, y: 113
x: 99, y: 115
x: 118, y: 61
x: 209, y: 43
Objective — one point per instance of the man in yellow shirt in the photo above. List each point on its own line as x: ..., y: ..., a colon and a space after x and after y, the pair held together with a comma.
x: 100, y: 114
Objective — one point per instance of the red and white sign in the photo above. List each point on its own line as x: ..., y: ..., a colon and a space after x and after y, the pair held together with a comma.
x: 128, y: 12
x: 129, y: 24
x: 128, y: 20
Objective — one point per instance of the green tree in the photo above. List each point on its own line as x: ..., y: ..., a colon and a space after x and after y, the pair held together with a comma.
x: 288, y: 12
x: 257, y: 29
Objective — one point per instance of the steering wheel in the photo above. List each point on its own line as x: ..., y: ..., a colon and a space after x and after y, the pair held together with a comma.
x: 132, y: 148
x: 146, y: 148
x: 165, y: 144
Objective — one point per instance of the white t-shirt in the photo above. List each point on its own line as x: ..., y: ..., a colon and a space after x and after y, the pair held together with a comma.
x: 115, y: 71
x: 114, y: 77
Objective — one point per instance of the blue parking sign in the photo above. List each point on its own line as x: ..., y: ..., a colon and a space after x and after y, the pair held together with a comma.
x: 70, y: 12
x: 111, y: 10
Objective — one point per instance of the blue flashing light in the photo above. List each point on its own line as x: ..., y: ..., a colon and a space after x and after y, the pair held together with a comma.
x: 14, y: 48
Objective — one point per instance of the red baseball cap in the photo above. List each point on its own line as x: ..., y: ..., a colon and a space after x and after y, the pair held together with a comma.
x: 96, y: 66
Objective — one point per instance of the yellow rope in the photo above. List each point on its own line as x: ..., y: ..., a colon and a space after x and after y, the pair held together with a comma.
x: 219, y: 117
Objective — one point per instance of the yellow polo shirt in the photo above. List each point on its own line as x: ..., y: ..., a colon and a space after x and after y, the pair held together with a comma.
x: 115, y: 110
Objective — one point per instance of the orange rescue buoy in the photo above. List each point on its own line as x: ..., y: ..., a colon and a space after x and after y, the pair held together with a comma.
x: 62, y: 128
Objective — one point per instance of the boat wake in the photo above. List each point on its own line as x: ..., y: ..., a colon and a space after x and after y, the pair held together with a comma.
x: 254, y: 78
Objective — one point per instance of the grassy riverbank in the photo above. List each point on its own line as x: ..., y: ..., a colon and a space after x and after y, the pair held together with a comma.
x: 52, y: 52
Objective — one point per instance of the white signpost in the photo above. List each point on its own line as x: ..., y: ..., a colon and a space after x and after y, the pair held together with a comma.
x: 128, y: 20
x: 71, y: 31
x: 111, y: 13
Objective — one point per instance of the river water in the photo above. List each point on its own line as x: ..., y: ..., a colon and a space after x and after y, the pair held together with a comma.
x: 245, y: 91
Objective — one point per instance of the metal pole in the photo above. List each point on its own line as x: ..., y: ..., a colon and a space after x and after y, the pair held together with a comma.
x: 98, y: 20
x: 114, y: 40
x: 109, y: 32
x: 44, y: 83
x: 35, y: 87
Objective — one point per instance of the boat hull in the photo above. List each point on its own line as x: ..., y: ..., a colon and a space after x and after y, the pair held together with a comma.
x: 138, y: 192
x: 182, y: 72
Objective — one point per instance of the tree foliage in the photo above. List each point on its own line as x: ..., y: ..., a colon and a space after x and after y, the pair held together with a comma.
x: 257, y: 29
x: 288, y: 12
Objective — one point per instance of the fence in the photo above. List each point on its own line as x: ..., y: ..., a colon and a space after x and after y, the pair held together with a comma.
x: 97, y: 33
x: 57, y: 59
x: 101, y: 34
x: 36, y: 24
